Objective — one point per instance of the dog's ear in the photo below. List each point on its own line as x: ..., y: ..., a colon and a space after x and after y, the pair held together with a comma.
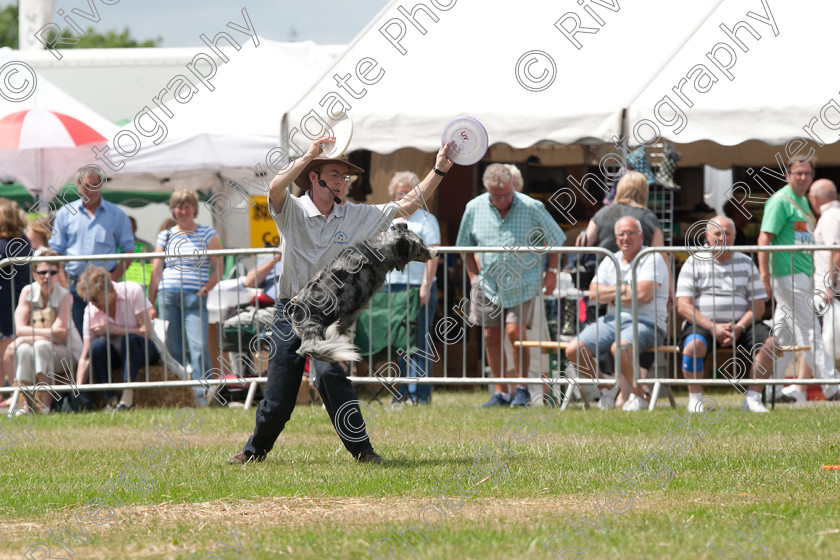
x: 403, y: 246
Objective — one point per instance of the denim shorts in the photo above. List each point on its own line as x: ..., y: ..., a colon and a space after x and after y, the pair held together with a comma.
x: 602, y: 334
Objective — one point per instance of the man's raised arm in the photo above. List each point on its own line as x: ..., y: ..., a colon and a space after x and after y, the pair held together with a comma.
x: 427, y: 187
x: 277, y: 188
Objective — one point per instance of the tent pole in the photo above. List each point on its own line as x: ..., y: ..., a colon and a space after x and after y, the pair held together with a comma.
x: 622, y: 126
x: 39, y: 187
x: 284, y: 133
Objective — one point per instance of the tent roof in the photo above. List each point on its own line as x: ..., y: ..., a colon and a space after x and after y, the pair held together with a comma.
x: 466, y: 63
x: 236, y: 124
x: 778, y: 82
x: 40, y: 167
x: 49, y: 96
x: 125, y: 79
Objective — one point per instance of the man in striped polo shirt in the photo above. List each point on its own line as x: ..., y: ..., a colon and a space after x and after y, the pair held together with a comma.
x: 721, y: 297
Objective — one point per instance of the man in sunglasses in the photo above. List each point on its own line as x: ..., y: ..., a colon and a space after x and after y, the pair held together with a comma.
x: 314, y: 228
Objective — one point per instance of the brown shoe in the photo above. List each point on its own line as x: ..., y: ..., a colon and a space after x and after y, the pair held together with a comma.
x: 370, y: 457
x: 243, y: 458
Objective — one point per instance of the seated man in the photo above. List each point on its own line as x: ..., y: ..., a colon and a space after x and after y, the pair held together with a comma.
x: 264, y: 276
x: 255, y: 319
x: 721, y: 297
x: 652, y: 289
x: 117, y: 319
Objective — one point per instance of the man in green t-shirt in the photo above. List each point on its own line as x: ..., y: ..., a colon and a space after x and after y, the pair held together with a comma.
x: 788, y: 220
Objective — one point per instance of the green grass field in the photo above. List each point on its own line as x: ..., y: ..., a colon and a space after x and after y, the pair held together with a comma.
x: 309, y: 499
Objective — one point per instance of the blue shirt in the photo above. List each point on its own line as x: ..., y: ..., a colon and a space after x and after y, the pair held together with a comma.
x: 270, y: 286
x: 510, y: 278
x: 77, y: 234
x: 426, y: 226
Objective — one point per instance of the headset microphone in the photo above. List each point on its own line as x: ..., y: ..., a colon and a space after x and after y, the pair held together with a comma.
x: 323, y: 184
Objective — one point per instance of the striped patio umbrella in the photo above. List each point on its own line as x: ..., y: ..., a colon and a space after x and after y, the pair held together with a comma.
x: 41, y: 148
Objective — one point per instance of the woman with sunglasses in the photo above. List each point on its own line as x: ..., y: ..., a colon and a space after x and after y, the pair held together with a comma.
x: 39, y: 233
x: 45, y: 331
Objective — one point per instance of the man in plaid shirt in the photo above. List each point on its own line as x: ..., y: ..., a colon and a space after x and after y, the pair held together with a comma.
x: 504, y: 285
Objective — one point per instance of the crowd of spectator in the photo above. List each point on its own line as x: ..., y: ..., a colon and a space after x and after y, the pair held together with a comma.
x: 721, y: 297
x: 84, y: 314
x: 78, y: 315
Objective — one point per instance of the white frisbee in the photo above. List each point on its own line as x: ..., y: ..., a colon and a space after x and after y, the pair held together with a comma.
x: 467, y: 139
x: 343, y: 132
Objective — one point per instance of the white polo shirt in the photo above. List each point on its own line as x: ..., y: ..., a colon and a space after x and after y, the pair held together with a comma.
x: 652, y: 268
x: 310, y: 241
x: 827, y: 232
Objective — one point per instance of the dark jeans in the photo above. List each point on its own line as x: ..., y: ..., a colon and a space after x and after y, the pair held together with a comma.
x: 421, y: 365
x: 285, y: 372
x: 132, y: 353
x: 78, y: 311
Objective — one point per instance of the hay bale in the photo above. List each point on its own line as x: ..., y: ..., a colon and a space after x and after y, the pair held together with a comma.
x: 307, y: 394
x: 163, y: 397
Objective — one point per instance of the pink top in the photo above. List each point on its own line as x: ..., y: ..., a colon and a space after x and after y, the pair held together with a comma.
x: 131, y: 300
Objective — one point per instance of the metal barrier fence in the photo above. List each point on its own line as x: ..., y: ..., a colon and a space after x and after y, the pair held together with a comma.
x: 229, y: 301
x: 453, y: 287
x: 455, y: 315
x: 811, y: 313
x: 174, y: 373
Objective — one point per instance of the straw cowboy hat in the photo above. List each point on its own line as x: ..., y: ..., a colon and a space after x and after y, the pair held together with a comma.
x: 303, y: 181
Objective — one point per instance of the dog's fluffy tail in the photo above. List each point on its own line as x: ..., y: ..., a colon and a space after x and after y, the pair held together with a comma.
x: 334, y: 348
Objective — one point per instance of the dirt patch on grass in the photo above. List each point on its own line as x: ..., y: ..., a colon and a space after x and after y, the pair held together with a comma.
x: 286, y: 513
x: 196, y: 520
x: 292, y: 512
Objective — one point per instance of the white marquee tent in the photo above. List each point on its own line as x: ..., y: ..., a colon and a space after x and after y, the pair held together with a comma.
x: 230, y: 129
x: 464, y: 58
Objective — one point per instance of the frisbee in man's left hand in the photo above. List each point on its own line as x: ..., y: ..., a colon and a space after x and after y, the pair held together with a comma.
x: 467, y: 139
x: 342, y: 130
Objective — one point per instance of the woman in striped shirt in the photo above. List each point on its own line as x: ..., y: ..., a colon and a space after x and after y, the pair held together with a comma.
x: 184, y: 279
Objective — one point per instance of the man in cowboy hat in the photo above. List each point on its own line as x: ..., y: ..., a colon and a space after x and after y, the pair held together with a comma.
x: 314, y: 228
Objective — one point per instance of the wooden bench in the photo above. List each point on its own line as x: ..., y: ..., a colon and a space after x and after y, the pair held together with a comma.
x: 549, y: 345
x: 730, y: 351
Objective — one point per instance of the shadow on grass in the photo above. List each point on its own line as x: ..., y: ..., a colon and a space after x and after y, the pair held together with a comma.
x: 390, y: 463
x: 399, y: 463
